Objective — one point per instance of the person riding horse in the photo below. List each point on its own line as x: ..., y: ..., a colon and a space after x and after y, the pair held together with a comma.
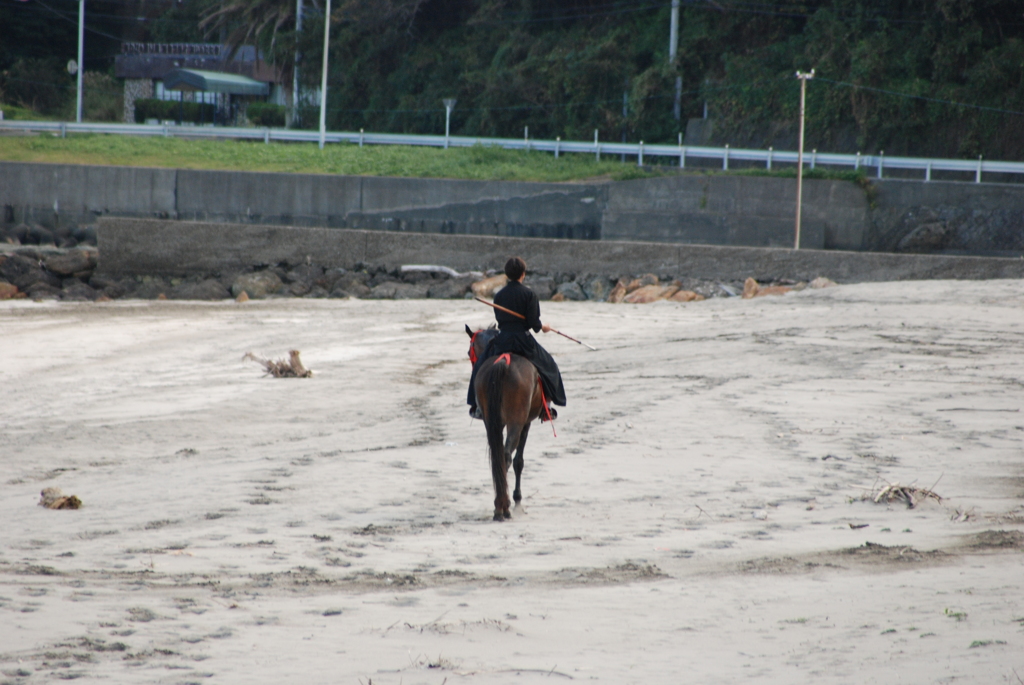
x: 514, y: 336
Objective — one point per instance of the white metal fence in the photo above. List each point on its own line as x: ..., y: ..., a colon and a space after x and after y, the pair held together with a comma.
x: 874, y: 165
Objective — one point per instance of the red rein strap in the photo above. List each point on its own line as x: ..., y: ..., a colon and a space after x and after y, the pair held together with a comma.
x: 472, y: 349
x: 544, y: 401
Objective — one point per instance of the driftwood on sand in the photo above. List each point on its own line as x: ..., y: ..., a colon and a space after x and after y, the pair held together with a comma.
x: 447, y: 270
x: 282, y: 368
x: 53, y: 498
x: 910, y: 494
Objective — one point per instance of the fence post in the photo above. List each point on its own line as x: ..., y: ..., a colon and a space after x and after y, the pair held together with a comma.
x: 770, y: 151
x: 725, y: 158
x: 361, y: 140
x: 881, y: 161
x: 597, y: 147
x: 977, y: 174
x: 558, y: 144
x: 856, y: 162
x: 928, y: 172
x: 526, y: 137
x: 266, y: 136
x: 682, y: 157
x: 63, y: 130
x: 814, y: 157
x: 640, y: 156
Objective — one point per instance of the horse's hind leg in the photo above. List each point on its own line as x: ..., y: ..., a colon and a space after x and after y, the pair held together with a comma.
x: 517, y: 463
x: 512, y: 440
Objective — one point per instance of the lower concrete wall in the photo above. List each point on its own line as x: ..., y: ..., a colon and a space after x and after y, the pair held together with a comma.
x: 51, y: 194
x: 890, y: 215
x: 54, y: 193
x: 736, y: 210
x: 178, y: 248
x: 571, y: 211
x: 973, y: 218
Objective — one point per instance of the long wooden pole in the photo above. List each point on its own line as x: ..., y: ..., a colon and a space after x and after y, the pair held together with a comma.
x: 518, y: 315
x: 498, y: 306
x: 800, y: 155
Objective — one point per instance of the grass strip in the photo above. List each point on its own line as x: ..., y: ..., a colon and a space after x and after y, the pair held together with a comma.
x: 477, y: 163
x: 473, y: 163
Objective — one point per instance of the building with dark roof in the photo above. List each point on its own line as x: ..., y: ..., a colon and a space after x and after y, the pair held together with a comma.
x: 198, y: 72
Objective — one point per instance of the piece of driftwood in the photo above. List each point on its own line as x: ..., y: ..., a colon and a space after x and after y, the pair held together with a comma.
x: 910, y: 494
x: 53, y: 498
x: 432, y: 268
x: 281, y: 368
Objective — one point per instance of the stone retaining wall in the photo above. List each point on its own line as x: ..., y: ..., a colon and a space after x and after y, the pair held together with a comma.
x: 180, y: 248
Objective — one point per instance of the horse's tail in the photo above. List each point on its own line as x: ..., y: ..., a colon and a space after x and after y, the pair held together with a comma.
x: 496, y: 382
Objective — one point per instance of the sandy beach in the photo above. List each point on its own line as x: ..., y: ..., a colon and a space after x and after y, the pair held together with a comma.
x: 706, y: 513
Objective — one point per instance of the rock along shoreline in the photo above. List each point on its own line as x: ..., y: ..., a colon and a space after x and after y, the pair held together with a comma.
x: 48, y: 272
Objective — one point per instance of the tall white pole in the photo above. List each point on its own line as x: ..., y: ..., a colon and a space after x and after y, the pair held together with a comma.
x: 81, y: 67
x: 800, y: 154
x: 295, y: 69
x: 673, y: 50
x: 673, y: 32
x: 323, y: 79
x: 449, y: 105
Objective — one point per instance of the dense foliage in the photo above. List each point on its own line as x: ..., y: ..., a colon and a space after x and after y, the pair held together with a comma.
x: 265, y: 114
x: 172, y: 110
x: 564, y: 67
x: 920, y: 77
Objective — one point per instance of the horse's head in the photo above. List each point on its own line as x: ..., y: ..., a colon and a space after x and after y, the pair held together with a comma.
x: 478, y: 340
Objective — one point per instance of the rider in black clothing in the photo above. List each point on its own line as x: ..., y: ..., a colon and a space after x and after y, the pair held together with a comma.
x: 514, y: 335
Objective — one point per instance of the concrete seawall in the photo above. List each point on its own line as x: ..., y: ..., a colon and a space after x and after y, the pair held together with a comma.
x: 886, y: 216
x: 178, y: 248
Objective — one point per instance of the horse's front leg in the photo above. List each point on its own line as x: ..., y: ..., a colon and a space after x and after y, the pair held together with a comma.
x: 517, y: 463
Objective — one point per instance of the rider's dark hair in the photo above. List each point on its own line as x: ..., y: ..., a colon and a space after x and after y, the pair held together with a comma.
x: 514, y: 268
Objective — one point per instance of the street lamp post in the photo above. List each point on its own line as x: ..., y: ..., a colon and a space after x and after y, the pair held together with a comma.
x: 295, y: 68
x: 800, y: 153
x: 323, y: 77
x: 81, y: 66
x: 449, y: 105
x: 673, y: 49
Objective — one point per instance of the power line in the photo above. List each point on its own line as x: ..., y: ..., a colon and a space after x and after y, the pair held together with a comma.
x: 75, y: 21
x: 922, y: 97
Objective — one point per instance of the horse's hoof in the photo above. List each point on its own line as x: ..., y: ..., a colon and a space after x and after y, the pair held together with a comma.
x: 507, y: 514
x: 498, y: 516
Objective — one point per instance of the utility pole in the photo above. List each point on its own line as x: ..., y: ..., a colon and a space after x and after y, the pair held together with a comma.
x: 81, y: 66
x: 625, y: 115
x: 804, y: 77
x: 295, y: 69
x: 673, y: 49
x: 323, y: 77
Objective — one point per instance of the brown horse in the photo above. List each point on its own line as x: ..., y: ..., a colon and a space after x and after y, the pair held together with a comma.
x: 510, y: 395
